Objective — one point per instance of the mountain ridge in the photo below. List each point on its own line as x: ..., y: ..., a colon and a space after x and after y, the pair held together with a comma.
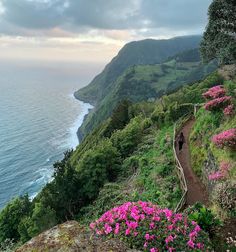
x: 135, y: 53
x: 169, y: 69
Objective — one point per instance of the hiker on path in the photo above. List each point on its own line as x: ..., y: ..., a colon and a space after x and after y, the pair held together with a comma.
x: 181, y: 141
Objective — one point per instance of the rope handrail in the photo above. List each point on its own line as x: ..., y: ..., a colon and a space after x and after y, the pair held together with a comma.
x: 180, y: 170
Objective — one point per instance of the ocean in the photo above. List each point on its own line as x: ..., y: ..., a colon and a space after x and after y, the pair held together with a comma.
x: 39, y: 117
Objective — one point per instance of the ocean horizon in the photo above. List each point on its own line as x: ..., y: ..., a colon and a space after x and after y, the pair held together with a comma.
x: 39, y: 119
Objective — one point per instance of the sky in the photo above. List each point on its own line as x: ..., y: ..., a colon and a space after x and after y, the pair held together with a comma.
x: 91, y: 30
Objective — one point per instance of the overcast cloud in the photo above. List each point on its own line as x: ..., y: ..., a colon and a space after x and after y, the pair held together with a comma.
x: 105, y: 14
x: 101, y: 21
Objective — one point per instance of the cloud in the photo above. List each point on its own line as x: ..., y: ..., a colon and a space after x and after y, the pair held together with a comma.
x: 57, y: 49
x: 79, y: 16
x: 33, y: 14
x: 91, y: 30
x: 178, y: 14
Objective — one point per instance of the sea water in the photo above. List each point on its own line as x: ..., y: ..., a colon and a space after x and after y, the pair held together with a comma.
x: 39, y: 118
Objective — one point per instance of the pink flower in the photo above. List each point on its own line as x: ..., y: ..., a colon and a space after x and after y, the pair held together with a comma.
x: 229, y: 110
x: 170, y: 238
x: 168, y: 213
x: 152, y: 225
x: 194, y: 223
x: 99, y: 232
x: 200, y: 245
x: 190, y: 244
x: 156, y: 218
x: 147, y: 237
x: 225, y: 138
x: 132, y: 224
x: 135, y: 234
x: 153, y: 250
x: 117, y: 228
x: 127, y: 231
x: 215, y: 176
x: 92, y: 225
x: 218, y: 103
x: 197, y: 228
x: 214, y: 92
x: 193, y: 234
x: 170, y: 227
x: 108, y: 229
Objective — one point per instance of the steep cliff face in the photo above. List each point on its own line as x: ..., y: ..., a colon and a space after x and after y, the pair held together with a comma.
x: 71, y: 237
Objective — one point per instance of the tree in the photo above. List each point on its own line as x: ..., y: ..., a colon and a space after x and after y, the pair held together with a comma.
x: 219, y: 40
x: 98, y: 166
x: 119, y: 117
x: 11, y: 216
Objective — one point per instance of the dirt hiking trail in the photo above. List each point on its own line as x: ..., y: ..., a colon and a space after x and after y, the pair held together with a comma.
x: 196, y: 190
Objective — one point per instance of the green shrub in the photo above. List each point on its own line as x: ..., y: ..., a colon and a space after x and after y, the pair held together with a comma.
x: 126, y: 140
x: 204, y: 217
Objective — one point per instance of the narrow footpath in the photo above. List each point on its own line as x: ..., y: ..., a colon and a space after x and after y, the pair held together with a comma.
x: 196, y: 190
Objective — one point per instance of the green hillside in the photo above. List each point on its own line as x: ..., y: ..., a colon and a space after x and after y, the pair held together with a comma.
x: 143, y: 52
x: 147, y: 82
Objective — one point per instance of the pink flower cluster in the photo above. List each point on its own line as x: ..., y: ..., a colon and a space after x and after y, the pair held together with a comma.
x: 220, y: 102
x: 146, y: 226
x: 225, y: 139
x: 222, y: 173
x: 229, y: 110
x: 214, y: 92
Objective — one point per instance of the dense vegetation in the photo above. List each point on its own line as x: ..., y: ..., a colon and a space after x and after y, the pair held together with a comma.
x: 219, y: 40
x: 127, y: 158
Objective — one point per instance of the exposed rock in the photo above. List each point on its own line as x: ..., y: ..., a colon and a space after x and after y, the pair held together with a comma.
x: 70, y: 237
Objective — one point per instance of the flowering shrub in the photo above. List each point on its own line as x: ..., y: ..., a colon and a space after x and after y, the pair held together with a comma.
x: 217, y: 103
x: 229, y: 110
x: 214, y: 92
x: 225, y: 139
x: 222, y: 173
x: 146, y: 226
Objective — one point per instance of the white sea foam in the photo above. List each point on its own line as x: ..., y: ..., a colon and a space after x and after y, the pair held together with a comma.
x: 73, y: 140
x: 44, y: 176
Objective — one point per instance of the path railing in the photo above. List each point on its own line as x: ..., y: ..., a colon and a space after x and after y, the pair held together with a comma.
x: 179, y: 168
